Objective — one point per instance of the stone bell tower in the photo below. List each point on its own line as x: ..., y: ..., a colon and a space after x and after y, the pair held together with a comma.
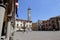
x: 29, y: 14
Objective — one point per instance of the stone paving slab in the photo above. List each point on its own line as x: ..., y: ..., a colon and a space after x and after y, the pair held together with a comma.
x: 39, y: 35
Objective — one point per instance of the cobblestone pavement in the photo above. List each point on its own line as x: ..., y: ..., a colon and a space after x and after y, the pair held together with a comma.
x: 37, y: 35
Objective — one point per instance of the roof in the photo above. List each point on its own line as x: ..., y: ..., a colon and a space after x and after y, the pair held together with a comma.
x: 55, y: 17
x: 22, y: 20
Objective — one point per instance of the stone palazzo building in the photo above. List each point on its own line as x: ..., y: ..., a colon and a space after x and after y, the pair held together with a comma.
x: 7, y: 18
x: 48, y: 25
x: 51, y: 24
x: 22, y: 24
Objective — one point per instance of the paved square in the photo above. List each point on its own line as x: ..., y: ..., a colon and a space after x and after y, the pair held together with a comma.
x: 37, y: 35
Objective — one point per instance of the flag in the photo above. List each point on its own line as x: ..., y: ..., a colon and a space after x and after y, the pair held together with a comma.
x: 16, y: 4
x: 16, y: 13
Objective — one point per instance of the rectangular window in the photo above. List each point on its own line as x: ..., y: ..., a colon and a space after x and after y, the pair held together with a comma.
x: 21, y: 25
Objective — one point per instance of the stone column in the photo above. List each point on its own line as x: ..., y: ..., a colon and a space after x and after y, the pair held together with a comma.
x: 2, y: 12
x: 8, y: 30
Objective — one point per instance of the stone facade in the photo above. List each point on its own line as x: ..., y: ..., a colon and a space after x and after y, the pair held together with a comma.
x: 51, y: 24
x: 19, y: 24
x: 48, y: 25
x: 34, y: 26
x: 8, y: 18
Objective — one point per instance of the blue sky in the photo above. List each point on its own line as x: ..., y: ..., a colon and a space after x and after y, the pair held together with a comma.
x: 40, y: 9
